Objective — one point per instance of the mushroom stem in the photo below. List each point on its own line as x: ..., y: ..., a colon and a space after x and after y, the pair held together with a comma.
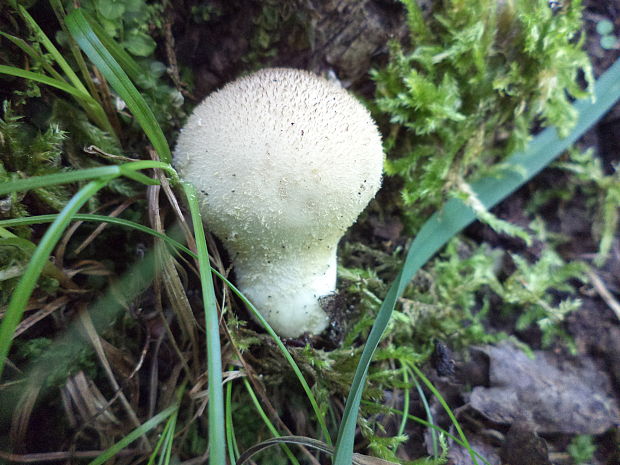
x: 287, y: 288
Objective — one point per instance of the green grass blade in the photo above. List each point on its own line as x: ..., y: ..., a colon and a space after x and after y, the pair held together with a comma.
x: 135, y: 434
x: 268, y: 423
x: 406, y: 399
x: 127, y: 63
x: 217, y: 436
x: 28, y: 220
x: 38, y: 260
x: 299, y: 440
x: 214, y: 348
x: 42, y: 78
x: 231, y: 441
x: 56, y: 55
x: 447, y: 409
x: 427, y: 424
x: 32, y: 53
x: 90, y: 43
x: 59, y: 10
x: 429, y: 415
x: 163, y: 438
x: 287, y: 355
x: 141, y: 178
x: 164, y: 458
x: 55, y: 179
x: 302, y: 441
x: 92, y: 107
x: 148, y: 164
x: 127, y: 169
x: 166, y: 439
x: 454, y: 216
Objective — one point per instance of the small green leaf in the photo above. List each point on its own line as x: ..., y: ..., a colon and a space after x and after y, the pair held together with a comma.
x: 140, y: 44
x: 39, y: 77
x: 608, y: 42
x: 133, y: 6
x: 110, y: 9
x: 604, y: 27
x: 157, y: 68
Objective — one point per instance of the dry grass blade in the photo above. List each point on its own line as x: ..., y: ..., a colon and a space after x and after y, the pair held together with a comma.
x: 94, y: 150
x: 165, y: 184
x: 91, y: 44
x: 179, y: 303
x: 61, y: 248
x: 172, y: 284
x: 91, y: 332
x: 89, y: 268
x: 604, y: 293
x: 173, y: 68
x: 114, y: 213
x: 62, y: 245
x: 167, y: 331
x: 106, y: 98
x: 85, y: 405
x: 47, y: 310
x: 22, y: 413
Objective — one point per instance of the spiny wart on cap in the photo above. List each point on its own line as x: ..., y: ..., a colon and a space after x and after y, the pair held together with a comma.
x: 285, y: 161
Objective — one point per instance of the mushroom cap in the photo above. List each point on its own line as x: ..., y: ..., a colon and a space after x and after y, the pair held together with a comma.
x: 283, y: 158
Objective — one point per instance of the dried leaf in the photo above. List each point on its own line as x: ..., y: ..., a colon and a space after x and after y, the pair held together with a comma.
x: 551, y: 392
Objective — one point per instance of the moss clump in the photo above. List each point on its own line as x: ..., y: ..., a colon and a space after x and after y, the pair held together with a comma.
x: 25, y: 152
x: 475, y: 80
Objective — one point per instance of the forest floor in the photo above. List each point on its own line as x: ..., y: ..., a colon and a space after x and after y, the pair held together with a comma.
x: 521, y: 400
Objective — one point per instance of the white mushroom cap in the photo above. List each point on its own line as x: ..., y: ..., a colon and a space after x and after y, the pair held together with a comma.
x: 285, y: 161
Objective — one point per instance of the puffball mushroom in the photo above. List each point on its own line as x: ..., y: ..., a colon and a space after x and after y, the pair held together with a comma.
x: 284, y: 161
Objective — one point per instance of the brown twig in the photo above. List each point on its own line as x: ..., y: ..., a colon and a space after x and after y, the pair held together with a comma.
x: 99, y: 229
x: 173, y: 67
x: 603, y: 292
x: 106, y: 101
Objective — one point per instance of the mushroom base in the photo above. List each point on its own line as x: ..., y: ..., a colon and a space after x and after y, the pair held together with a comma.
x: 286, y: 290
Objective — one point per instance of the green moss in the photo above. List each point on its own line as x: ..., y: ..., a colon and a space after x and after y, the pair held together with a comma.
x: 466, y: 92
x: 457, y: 295
x: 25, y: 152
x: 602, y: 194
x: 581, y: 449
